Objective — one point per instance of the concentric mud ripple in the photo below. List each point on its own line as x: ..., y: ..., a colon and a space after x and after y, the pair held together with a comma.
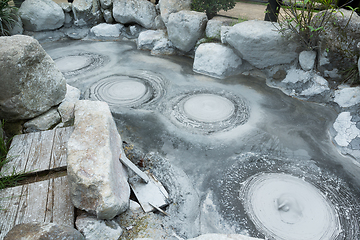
x: 141, y: 89
x: 75, y: 64
x: 286, y: 200
x: 208, y: 111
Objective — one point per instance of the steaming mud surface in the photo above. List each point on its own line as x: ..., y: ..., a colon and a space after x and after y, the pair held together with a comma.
x: 260, y: 163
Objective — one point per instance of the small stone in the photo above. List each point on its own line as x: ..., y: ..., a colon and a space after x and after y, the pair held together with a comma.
x: 95, y: 229
x: 307, y: 60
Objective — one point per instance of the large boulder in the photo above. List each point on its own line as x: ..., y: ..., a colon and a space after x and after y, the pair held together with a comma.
x: 86, y: 12
x: 216, y: 60
x: 30, y: 81
x: 97, y: 179
x: 40, y: 231
x: 185, y: 28
x: 261, y: 44
x: 141, y: 12
x: 168, y: 7
x: 40, y: 15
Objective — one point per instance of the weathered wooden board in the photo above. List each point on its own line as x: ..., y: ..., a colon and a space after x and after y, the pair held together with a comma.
x: 45, y: 201
x: 39, y: 151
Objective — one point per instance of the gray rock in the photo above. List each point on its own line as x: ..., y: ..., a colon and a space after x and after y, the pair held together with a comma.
x: 223, y: 33
x: 347, y: 96
x: 107, y: 30
x: 66, y: 108
x: 359, y: 65
x: 213, y: 29
x: 108, y: 16
x: 97, y: 179
x: 147, y: 39
x: 259, y: 43
x: 215, y: 236
x: 39, y: 231
x: 163, y: 47
x: 39, y: 15
x: 106, y: 4
x: 185, y: 28
x: 66, y: 6
x: 307, y: 60
x: 68, y: 20
x: 95, y: 229
x: 17, y: 28
x: 141, y: 12
x: 216, y: 60
x: 43, y: 122
x: 159, y: 23
x: 168, y: 7
x: 86, y: 12
x: 30, y: 81
x: 66, y: 111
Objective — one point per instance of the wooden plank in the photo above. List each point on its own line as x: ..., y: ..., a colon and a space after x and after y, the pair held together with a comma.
x: 60, y: 209
x: 45, y: 201
x: 40, y: 152
x: 33, y: 203
x: 9, y: 202
x: 59, y: 151
x: 19, y: 153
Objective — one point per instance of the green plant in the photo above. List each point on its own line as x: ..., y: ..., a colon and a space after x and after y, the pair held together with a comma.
x: 211, y: 7
x: 8, y: 14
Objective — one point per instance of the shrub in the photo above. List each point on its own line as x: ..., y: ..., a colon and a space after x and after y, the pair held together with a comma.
x: 211, y: 7
x: 8, y: 14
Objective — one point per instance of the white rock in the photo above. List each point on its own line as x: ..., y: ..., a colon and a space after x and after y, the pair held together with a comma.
x: 141, y: 12
x: 307, y: 60
x: 97, y: 179
x: 347, y: 96
x: 215, y: 236
x: 40, y: 15
x: 185, y: 28
x: 43, y: 122
x: 30, y: 81
x: 95, y: 229
x: 296, y: 75
x: 107, y: 30
x: 168, y: 7
x: 346, y: 129
x: 359, y: 64
x: 213, y: 29
x: 147, y: 39
x: 216, y: 60
x: 259, y: 43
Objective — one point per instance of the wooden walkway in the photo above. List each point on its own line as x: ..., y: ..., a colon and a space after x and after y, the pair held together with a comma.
x: 43, y: 201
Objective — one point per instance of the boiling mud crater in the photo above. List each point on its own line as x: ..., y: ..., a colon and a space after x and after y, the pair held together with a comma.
x: 253, y: 160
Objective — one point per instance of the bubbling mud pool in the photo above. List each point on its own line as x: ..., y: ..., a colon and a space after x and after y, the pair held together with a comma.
x: 259, y: 162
